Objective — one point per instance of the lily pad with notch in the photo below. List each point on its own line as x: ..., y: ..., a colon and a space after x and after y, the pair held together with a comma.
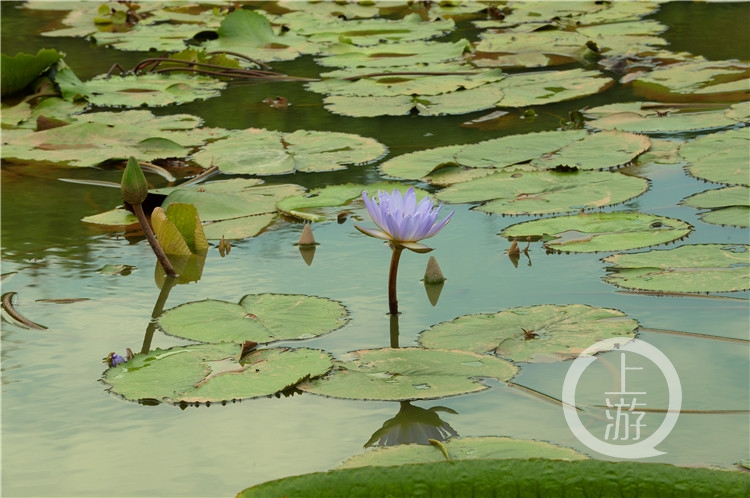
x: 261, y: 318
x: 594, y: 232
x: 545, y: 192
x: 729, y: 206
x: 207, y: 373
x: 691, y: 268
x: 720, y: 157
x: 409, y: 374
x: 256, y: 151
x: 541, y: 333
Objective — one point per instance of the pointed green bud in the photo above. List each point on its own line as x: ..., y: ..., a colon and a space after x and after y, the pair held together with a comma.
x: 134, y: 187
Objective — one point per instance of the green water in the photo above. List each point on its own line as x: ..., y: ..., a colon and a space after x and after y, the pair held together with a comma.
x: 64, y: 435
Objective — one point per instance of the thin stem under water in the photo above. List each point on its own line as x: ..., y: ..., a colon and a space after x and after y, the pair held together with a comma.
x: 392, y: 299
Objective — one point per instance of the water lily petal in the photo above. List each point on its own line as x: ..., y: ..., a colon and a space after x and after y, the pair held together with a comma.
x: 373, y: 233
x: 416, y: 247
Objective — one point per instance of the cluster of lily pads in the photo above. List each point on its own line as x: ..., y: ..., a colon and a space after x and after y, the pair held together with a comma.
x: 394, y: 59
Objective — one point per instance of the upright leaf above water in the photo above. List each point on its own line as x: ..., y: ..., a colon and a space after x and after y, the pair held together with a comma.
x: 539, y: 333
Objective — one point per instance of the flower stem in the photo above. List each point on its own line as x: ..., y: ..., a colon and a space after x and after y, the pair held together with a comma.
x: 160, y: 255
x: 392, y: 299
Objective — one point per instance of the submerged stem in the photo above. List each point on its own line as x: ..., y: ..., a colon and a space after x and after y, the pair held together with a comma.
x: 160, y: 255
x: 392, y: 299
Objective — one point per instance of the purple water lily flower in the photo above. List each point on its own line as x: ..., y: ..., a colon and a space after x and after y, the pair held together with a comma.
x: 403, y: 221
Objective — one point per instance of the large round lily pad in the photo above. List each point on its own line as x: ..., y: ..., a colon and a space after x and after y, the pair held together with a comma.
x: 540, y: 333
x: 603, y: 150
x: 545, y: 192
x: 258, y: 317
x: 511, y: 477
x: 720, y: 157
x: 213, y: 372
x: 593, y: 232
x: 409, y: 374
x: 256, y: 151
x: 689, y: 268
x: 464, y: 448
x: 727, y: 206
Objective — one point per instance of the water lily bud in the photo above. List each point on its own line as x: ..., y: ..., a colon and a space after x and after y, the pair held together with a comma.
x: 134, y: 187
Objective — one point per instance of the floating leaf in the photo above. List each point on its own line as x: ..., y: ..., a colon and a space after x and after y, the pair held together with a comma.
x: 238, y: 228
x: 604, y: 150
x: 408, y: 374
x: 545, y: 192
x: 392, y: 55
x: 114, y: 218
x: 311, y: 206
x: 539, y: 476
x: 539, y: 88
x: 213, y: 372
x: 229, y: 199
x: 688, y: 268
x: 727, y: 206
x: 257, y: 151
x: 720, y: 157
x: 457, y: 102
x: 540, y: 333
x: 151, y: 89
x: 593, y: 232
x: 19, y: 71
x: 367, y: 32
x: 700, y: 81
x: 659, y: 124
x: 497, y: 153
x: 463, y: 448
x: 260, y: 318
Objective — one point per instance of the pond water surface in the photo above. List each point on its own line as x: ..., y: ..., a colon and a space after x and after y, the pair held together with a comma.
x: 63, y: 434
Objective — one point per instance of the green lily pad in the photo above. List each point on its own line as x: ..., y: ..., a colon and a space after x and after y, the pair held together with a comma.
x: 462, y: 448
x: 498, y: 153
x: 720, y: 157
x: 658, y: 119
x: 698, y: 81
x: 539, y: 88
x: 19, y: 71
x: 229, y: 199
x: 312, y: 206
x: 727, y: 206
x: 257, y: 151
x: 392, y: 54
x: 117, y: 218
x: 513, y: 477
x: 458, y: 102
x: 238, y: 228
x: 689, y: 268
x: 213, y: 372
x: 152, y: 90
x: 593, y: 232
x: 260, y: 318
x: 409, y: 374
x: 539, y: 333
x: 84, y: 144
x: 603, y: 150
x: 367, y: 32
x: 545, y: 192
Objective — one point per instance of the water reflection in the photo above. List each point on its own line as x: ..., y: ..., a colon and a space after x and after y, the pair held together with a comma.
x: 413, y: 424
